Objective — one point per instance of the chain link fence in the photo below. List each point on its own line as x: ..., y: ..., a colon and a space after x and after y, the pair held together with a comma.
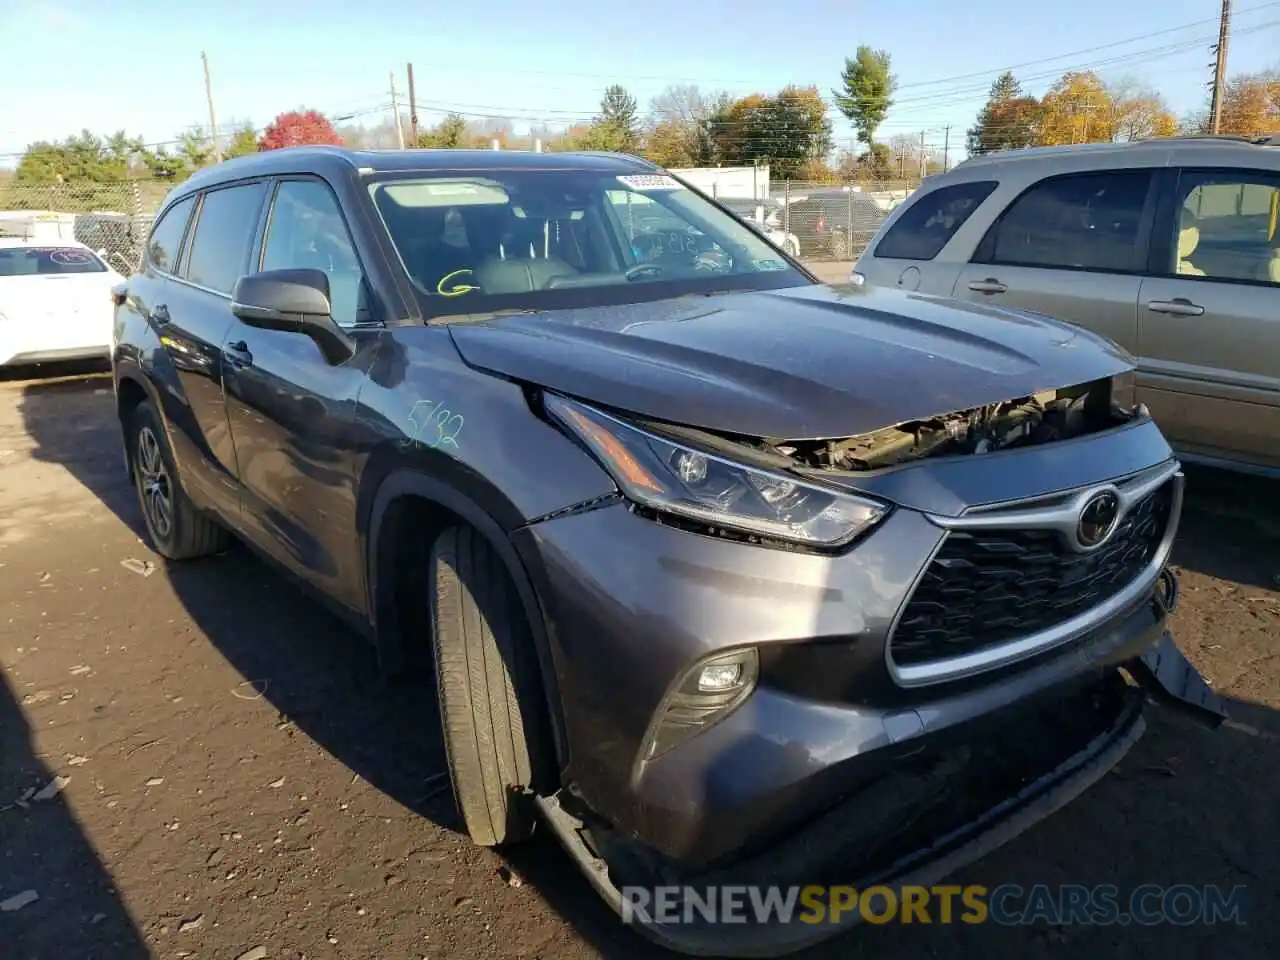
x: 832, y: 221
x: 822, y: 220
x: 112, y: 218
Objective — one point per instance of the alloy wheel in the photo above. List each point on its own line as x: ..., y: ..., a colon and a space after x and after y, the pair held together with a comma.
x: 154, y: 484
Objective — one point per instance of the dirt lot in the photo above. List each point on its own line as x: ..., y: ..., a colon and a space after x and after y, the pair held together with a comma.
x: 237, y: 777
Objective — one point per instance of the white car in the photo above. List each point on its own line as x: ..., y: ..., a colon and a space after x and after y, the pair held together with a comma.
x: 55, y: 302
x: 764, y: 216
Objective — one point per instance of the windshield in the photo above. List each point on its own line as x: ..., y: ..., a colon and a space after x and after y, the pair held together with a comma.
x: 30, y: 261
x: 530, y: 239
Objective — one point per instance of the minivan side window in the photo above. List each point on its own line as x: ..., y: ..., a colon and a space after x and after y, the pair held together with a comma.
x: 1226, y: 227
x: 1079, y: 222
x: 306, y: 230
x: 928, y: 225
x: 223, y: 234
x: 166, y: 236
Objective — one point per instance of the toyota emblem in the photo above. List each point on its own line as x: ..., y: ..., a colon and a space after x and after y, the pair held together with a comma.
x: 1098, y: 519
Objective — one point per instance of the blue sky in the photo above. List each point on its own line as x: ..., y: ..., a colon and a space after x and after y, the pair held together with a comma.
x: 135, y: 65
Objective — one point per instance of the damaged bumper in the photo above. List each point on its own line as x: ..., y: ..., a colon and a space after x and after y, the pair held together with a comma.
x: 1078, y: 740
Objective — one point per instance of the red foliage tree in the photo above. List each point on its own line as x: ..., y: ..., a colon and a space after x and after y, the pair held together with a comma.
x: 299, y: 127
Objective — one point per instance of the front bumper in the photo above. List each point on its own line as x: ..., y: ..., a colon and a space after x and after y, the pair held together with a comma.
x: 1072, y: 754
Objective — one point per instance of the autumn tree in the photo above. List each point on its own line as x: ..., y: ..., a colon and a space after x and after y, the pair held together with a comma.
x: 789, y: 130
x: 1251, y: 105
x: 1008, y: 119
x: 866, y: 91
x: 1139, y: 112
x: 1077, y: 109
x: 679, y: 134
x: 298, y: 128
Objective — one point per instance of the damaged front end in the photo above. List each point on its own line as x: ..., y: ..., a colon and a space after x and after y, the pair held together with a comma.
x: 1048, y: 416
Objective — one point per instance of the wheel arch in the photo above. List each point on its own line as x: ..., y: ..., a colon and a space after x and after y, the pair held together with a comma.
x: 132, y: 389
x: 407, y: 485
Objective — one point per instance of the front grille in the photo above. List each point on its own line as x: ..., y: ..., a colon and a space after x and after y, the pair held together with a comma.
x: 987, y: 587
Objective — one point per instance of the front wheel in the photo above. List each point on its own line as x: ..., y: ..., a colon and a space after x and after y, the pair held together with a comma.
x: 178, y: 531
x: 486, y: 680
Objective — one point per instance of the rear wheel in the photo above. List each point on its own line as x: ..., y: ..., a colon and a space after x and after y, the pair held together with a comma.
x: 839, y: 246
x: 178, y: 531
x: 490, y: 707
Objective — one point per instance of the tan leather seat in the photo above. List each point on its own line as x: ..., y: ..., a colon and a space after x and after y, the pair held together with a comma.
x: 1188, y: 240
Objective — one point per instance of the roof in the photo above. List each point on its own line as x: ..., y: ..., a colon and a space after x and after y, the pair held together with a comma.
x: 335, y: 160
x: 1157, y: 145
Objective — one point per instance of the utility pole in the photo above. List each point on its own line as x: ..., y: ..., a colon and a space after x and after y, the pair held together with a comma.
x: 395, y: 111
x: 946, y: 148
x: 413, y: 109
x: 213, y: 117
x: 924, y: 159
x: 1220, y: 69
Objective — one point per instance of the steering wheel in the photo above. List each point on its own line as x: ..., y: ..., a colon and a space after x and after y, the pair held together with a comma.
x: 644, y: 269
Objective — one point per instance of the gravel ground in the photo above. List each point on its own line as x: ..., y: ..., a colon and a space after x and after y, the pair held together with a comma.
x: 222, y: 770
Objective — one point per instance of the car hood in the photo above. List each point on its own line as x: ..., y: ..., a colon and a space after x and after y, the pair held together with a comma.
x: 800, y: 363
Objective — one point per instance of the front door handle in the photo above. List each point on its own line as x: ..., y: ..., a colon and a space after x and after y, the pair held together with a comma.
x: 160, y: 315
x: 1178, y: 307
x: 237, y: 354
x: 989, y: 285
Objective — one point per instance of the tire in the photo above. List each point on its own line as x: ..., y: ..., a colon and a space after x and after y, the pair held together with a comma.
x: 839, y: 247
x: 177, y: 530
x: 487, y: 686
x: 792, y: 248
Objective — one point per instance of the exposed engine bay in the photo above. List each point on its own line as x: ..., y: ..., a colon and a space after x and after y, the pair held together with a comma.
x: 1044, y: 417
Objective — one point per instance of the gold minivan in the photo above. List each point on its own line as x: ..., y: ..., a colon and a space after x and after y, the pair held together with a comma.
x: 1168, y: 247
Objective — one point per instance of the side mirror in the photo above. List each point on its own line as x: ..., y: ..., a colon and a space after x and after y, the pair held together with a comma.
x: 293, y: 301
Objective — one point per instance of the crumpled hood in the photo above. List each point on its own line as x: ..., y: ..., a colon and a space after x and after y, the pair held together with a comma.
x: 799, y: 363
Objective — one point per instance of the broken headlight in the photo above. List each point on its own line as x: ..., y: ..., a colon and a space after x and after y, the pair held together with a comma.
x: 672, y: 478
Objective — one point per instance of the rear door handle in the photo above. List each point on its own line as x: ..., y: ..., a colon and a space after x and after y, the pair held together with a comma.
x: 238, y: 354
x: 989, y: 285
x: 160, y: 315
x: 1179, y: 307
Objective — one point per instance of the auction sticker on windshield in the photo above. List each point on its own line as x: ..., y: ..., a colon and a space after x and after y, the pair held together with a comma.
x: 650, y: 181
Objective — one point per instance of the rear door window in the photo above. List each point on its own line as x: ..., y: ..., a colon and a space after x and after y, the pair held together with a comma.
x: 1078, y: 222
x: 1227, y: 226
x: 166, y: 236
x: 928, y: 225
x: 224, y: 232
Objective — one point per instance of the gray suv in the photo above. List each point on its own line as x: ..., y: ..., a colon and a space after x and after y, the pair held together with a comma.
x: 1169, y: 248
x: 727, y: 576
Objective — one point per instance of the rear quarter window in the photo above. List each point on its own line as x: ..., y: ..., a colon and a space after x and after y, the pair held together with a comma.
x: 927, y: 225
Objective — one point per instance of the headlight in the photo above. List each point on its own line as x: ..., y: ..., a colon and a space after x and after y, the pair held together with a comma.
x: 669, y: 477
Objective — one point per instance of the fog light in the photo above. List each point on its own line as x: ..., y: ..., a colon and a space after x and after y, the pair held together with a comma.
x: 719, y: 676
x: 858, y: 279
x: 709, y: 691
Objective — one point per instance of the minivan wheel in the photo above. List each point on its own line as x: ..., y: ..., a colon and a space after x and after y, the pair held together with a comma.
x: 487, y: 687
x: 177, y: 530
